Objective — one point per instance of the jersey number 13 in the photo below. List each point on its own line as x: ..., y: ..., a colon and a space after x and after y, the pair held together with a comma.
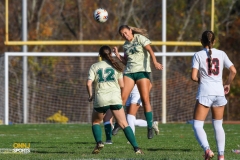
x: 215, y: 67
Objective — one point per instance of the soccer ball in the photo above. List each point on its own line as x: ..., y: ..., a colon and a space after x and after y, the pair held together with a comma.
x: 100, y: 15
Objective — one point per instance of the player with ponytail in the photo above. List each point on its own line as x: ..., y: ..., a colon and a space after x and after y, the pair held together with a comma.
x: 208, y: 39
x: 108, y: 81
x: 207, y: 70
x: 137, y: 56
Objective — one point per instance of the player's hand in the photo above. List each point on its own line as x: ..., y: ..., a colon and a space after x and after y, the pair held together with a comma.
x: 226, y: 88
x: 115, y: 51
x: 90, y: 98
x: 158, y: 66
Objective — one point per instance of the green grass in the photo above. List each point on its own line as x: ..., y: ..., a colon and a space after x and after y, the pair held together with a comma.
x: 75, y: 141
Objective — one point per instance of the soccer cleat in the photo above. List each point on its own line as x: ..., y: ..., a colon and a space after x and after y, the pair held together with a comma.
x: 155, y: 127
x: 221, y: 157
x: 108, y: 142
x: 98, y: 147
x: 138, y: 150
x: 150, y: 133
x: 208, y: 155
x: 116, y: 129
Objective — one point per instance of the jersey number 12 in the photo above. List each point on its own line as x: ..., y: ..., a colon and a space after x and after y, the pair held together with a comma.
x: 109, y: 77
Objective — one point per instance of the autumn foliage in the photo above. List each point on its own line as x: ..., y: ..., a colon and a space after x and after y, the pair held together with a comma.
x: 73, y: 20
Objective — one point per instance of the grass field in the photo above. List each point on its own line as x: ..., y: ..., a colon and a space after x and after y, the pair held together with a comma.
x: 75, y: 141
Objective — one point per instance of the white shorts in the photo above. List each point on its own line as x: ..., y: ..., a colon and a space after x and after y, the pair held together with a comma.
x: 212, y: 101
x: 134, y: 98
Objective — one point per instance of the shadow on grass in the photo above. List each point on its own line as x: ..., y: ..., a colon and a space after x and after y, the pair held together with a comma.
x: 49, y: 152
x: 62, y: 142
x: 170, y: 149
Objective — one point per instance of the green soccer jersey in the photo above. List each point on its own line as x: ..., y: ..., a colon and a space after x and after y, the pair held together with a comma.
x: 138, y: 58
x: 107, y: 89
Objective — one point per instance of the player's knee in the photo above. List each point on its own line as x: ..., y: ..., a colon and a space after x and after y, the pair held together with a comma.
x: 123, y: 124
x: 146, y: 105
x: 96, y: 122
x: 197, y: 124
x: 217, y: 124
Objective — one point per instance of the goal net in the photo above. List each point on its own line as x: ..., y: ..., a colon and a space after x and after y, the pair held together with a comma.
x: 57, y: 88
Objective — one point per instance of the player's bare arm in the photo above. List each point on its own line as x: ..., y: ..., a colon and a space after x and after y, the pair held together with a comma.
x: 157, y: 65
x: 89, y: 89
x: 121, y: 58
x: 121, y: 83
x: 231, y: 76
x: 194, y: 76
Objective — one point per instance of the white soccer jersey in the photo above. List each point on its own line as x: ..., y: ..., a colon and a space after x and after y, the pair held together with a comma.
x: 211, y: 82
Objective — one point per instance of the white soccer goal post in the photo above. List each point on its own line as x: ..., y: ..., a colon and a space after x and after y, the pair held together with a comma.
x: 58, y: 84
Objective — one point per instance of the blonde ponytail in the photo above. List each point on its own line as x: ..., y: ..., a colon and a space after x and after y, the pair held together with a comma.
x: 139, y: 31
x: 134, y: 30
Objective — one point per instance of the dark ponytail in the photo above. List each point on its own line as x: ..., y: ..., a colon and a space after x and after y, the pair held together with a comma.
x: 105, y: 53
x: 207, y: 40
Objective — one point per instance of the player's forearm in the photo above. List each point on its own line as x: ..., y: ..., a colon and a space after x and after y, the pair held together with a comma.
x: 194, y: 75
x: 89, y: 88
x: 195, y: 79
x: 122, y: 59
x: 154, y: 59
x: 231, y: 76
x: 150, y: 51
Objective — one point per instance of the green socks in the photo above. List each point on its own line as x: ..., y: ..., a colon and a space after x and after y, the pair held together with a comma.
x: 149, y: 118
x: 116, y: 125
x: 108, y: 131
x: 130, y: 136
x: 97, y: 132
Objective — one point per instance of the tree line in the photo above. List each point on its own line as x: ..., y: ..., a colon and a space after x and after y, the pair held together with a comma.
x: 73, y: 20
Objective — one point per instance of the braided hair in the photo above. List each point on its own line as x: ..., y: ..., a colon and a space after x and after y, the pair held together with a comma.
x: 105, y: 53
x: 207, y: 40
x: 135, y: 30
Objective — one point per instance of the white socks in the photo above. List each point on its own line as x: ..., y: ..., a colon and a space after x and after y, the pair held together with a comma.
x: 219, y: 135
x: 140, y: 123
x: 200, y: 134
x: 131, y: 121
